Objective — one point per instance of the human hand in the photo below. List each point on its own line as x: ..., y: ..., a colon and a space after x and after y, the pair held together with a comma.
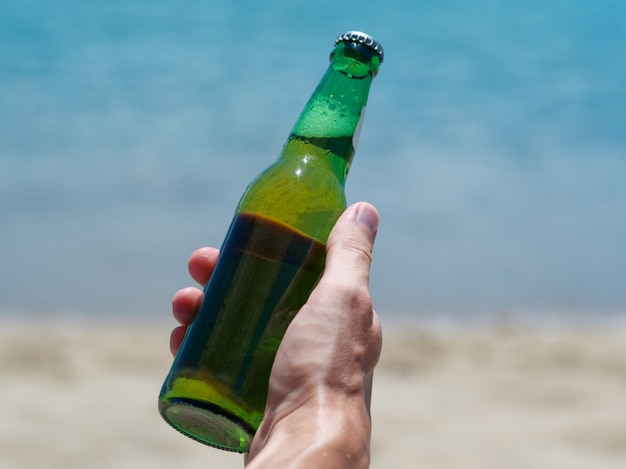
x: 317, y: 412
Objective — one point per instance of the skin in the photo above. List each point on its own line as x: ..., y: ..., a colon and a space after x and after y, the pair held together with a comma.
x: 318, y: 406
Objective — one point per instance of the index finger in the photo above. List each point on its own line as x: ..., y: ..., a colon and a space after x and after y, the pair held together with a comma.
x: 202, y: 263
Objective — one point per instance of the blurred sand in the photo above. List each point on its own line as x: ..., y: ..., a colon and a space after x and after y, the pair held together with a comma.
x: 84, y: 396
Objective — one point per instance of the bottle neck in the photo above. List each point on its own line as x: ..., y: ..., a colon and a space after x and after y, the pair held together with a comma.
x: 332, y: 117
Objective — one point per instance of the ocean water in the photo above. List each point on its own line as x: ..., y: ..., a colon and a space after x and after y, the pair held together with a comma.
x: 494, y: 147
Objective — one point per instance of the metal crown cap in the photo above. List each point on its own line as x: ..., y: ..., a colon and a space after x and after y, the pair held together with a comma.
x: 359, y: 37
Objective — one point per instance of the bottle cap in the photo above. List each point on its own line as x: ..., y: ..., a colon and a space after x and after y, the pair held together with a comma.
x: 362, y: 38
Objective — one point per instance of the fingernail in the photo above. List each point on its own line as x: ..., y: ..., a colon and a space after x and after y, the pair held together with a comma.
x: 368, y: 217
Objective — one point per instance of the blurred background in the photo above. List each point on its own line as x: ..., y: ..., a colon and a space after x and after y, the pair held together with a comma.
x: 494, y: 148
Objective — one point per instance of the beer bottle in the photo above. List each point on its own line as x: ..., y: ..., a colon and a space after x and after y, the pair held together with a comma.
x: 270, y: 261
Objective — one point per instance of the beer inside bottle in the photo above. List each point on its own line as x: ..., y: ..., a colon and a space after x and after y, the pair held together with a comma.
x: 270, y: 261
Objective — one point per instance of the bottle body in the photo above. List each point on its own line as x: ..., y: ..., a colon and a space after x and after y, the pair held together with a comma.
x: 270, y: 261
x: 265, y: 273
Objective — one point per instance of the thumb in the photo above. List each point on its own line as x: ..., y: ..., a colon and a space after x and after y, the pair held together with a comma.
x: 351, y: 242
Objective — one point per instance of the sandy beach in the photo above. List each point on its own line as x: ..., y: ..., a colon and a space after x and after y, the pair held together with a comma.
x: 80, y: 395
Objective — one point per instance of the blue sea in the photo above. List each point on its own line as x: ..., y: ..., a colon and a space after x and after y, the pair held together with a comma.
x: 494, y: 147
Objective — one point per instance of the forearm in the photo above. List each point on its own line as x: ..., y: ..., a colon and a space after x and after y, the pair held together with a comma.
x: 330, y: 431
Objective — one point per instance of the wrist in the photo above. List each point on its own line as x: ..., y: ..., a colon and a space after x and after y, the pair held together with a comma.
x: 329, y: 429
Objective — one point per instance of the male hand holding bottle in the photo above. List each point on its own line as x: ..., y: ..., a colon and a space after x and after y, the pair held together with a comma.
x: 317, y: 412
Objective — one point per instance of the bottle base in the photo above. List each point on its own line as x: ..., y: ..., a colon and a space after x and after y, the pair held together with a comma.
x: 208, y: 424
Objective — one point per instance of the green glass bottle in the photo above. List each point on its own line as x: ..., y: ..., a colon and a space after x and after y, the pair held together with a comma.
x: 270, y: 261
